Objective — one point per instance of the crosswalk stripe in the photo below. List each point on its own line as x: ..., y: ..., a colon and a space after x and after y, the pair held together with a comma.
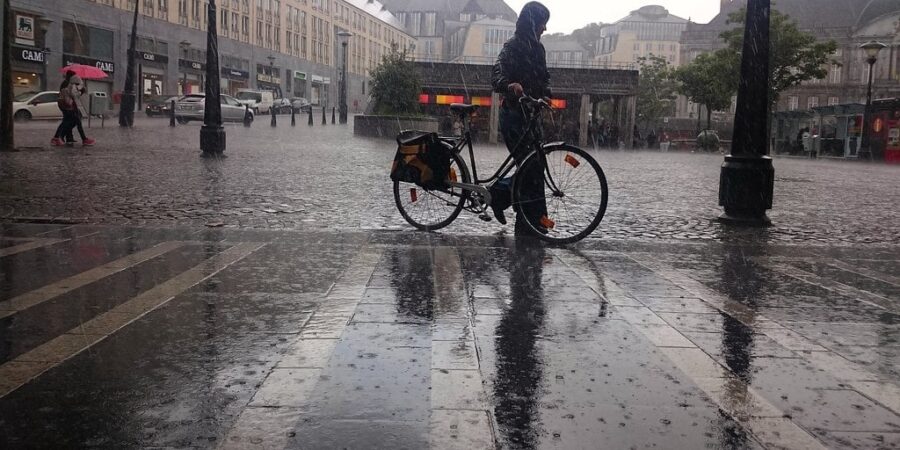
x: 35, y: 243
x: 29, y: 365
x: 43, y: 294
x: 273, y: 413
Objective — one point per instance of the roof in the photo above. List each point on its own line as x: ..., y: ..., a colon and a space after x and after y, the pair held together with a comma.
x: 378, y: 10
x: 563, y: 45
x: 876, y: 9
x: 652, y: 13
x: 489, y: 7
x: 815, y: 13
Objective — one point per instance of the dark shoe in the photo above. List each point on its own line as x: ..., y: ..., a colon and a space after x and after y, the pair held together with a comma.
x: 498, y: 214
x: 525, y: 230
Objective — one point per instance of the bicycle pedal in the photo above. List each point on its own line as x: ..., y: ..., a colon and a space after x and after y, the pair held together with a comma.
x: 485, y: 217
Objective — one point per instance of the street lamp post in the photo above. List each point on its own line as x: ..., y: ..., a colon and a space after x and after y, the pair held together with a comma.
x: 185, y: 46
x: 126, y: 109
x: 747, y: 178
x: 212, y: 135
x: 872, y: 48
x: 272, y: 81
x: 345, y: 37
x: 44, y: 26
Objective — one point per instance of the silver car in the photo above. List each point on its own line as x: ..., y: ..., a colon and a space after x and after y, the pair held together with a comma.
x: 191, y: 107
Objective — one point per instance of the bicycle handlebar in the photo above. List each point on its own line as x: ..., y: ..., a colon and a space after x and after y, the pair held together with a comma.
x: 535, y: 101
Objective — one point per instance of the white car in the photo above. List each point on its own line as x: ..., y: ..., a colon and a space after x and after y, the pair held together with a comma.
x: 36, y: 105
x: 260, y: 101
x: 191, y: 107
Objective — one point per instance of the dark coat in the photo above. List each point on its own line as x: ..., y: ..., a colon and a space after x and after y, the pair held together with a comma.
x: 523, y: 59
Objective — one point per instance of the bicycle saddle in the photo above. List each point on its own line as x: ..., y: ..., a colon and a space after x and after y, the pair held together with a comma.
x: 462, y: 108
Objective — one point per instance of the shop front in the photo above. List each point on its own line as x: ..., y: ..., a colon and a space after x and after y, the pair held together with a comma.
x: 190, y: 77
x: 268, y: 78
x: 27, y: 57
x: 91, y: 46
x: 233, y: 80
x: 105, y: 85
x: 28, y: 70
x: 152, y: 68
x: 299, y: 89
x: 319, y: 91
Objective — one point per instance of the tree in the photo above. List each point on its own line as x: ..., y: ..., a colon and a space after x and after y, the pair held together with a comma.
x: 656, y: 90
x: 795, y: 55
x: 396, y: 84
x: 710, y: 80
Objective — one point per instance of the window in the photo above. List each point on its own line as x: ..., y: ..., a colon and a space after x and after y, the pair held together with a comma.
x: 836, y: 74
x: 430, y: 24
x: 833, y: 101
x: 812, y: 102
x: 793, y: 103
x: 182, y: 12
x: 87, y: 41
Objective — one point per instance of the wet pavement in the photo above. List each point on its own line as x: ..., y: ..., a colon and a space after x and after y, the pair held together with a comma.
x: 322, y: 177
x: 119, y: 336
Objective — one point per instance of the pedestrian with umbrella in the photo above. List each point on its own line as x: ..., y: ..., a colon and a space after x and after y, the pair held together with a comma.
x: 70, y: 92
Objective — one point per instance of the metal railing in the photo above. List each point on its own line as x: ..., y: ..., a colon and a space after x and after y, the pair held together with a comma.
x: 489, y: 61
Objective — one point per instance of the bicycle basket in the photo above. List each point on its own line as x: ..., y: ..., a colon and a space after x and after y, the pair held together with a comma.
x: 421, y: 159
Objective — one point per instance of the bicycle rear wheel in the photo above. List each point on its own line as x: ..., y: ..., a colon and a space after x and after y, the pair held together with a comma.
x: 432, y: 209
x: 574, y: 210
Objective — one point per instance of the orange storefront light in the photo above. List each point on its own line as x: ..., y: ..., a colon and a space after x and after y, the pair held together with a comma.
x: 481, y: 101
x: 558, y: 103
x: 448, y: 99
x: 424, y: 99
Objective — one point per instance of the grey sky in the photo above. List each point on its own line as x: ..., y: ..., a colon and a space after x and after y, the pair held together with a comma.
x: 568, y: 15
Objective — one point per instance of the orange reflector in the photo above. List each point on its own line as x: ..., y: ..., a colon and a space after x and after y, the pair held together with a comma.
x: 572, y: 161
x: 453, y: 175
x: 413, y: 196
x: 547, y: 223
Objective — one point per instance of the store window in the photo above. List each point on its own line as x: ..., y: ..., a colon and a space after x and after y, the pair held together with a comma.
x: 87, y: 41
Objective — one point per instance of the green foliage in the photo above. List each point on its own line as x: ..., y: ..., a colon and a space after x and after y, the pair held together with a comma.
x: 656, y: 90
x: 795, y: 55
x: 396, y: 84
x: 710, y: 80
x: 708, y: 140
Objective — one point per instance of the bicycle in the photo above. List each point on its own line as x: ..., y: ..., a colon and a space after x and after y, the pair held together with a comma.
x: 575, y: 189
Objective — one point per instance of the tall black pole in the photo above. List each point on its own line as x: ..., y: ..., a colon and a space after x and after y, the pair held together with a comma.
x: 7, y: 138
x: 212, y: 135
x: 747, y: 179
x: 343, y: 105
x: 865, y: 151
x: 126, y: 111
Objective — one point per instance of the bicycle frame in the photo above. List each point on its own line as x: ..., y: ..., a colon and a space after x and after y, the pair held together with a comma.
x: 482, y: 186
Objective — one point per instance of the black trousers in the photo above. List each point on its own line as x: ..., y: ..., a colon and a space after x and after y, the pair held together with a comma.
x: 70, y: 121
x: 513, y: 127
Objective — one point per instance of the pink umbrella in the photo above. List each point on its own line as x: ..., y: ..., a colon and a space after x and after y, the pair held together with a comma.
x: 85, y: 72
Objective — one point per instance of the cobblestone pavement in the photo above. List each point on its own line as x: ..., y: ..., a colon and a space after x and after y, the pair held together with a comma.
x: 193, y: 337
x: 322, y: 177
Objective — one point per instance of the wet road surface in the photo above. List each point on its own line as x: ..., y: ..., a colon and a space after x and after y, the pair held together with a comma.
x: 313, y: 178
x: 125, y: 337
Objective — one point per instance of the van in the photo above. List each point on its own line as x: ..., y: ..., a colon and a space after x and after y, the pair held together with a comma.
x: 259, y: 101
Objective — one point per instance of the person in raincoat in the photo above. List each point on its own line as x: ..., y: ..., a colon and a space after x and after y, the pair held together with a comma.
x: 521, y: 69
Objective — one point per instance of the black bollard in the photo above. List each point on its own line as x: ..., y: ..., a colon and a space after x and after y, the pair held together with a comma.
x: 747, y: 178
x: 247, y: 117
x: 324, y: 121
x: 272, y: 112
x: 310, y: 116
x: 172, y: 114
x: 332, y: 115
x: 293, y: 117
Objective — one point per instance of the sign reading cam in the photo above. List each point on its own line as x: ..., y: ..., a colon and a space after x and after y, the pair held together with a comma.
x: 28, y: 55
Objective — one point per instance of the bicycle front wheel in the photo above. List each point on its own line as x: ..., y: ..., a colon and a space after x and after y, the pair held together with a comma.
x: 568, y: 202
x: 433, y: 209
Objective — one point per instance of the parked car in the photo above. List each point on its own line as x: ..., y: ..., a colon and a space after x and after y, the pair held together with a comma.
x: 300, y: 104
x: 36, y: 105
x: 191, y: 107
x: 258, y: 101
x: 159, y: 105
x: 282, y: 106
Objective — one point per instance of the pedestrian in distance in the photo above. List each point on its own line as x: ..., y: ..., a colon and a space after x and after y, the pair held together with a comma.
x: 520, y: 70
x: 70, y: 91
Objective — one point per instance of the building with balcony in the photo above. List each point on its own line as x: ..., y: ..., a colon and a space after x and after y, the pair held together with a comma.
x: 650, y: 30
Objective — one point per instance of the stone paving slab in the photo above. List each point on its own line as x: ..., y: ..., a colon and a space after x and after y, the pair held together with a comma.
x: 287, y: 339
